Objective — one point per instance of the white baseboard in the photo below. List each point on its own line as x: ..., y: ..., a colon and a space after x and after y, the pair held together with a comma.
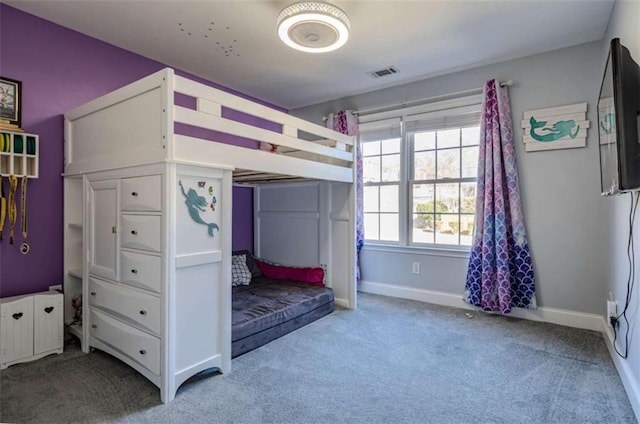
x: 629, y: 381
x: 552, y: 315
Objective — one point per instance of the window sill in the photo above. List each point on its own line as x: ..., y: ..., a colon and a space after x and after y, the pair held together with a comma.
x: 450, y: 252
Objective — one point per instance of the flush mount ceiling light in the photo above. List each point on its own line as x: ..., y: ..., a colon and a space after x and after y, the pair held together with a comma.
x: 313, y: 27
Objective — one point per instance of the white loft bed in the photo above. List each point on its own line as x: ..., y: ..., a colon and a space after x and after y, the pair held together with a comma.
x: 125, y: 165
x: 145, y: 112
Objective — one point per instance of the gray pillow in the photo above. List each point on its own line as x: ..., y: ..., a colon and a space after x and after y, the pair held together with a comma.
x: 240, y: 274
x: 251, y: 263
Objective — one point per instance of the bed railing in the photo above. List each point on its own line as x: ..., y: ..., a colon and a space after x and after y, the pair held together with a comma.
x: 141, y: 124
x: 329, y: 150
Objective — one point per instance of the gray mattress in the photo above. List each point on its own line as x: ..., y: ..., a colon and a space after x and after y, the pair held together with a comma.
x: 267, y: 309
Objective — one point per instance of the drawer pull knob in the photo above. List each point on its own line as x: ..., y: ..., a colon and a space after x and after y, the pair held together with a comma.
x: 17, y: 316
x: 134, y: 271
x: 143, y: 352
x: 93, y: 293
x: 48, y: 309
x: 143, y: 312
x: 134, y: 232
x: 134, y: 193
x: 94, y: 326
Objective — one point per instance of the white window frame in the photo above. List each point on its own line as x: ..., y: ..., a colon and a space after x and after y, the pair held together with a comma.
x: 440, y: 113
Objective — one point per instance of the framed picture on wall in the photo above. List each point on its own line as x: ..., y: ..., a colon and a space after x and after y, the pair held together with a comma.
x: 10, y: 103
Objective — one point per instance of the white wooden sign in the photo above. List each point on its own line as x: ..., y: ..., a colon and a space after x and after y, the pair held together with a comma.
x: 562, y: 127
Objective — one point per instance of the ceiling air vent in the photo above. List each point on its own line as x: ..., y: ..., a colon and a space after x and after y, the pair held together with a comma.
x: 391, y: 70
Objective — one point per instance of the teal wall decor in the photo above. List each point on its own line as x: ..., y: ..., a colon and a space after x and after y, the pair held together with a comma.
x: 562, y: 127
x: 197, y: 204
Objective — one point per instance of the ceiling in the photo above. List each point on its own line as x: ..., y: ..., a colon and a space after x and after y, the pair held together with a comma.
x: 234, y: 42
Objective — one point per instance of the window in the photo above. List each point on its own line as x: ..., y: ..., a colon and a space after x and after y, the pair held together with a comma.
x: 420, y: 176
x: 381, y: 175
x: 443, y: 185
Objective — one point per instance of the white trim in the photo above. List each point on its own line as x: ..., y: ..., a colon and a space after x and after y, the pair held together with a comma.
x: 200, y: 258
x: 289, y: 215
x: 629, y: 381
x: 418, y: 250
x: 343, y: 303
x: 564, y: 317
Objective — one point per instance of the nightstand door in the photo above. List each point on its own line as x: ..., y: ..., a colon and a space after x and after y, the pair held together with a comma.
x: 47, y: 325
x: 16, y: 329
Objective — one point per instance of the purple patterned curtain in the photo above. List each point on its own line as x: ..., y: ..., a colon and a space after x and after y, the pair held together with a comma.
x: 500, y: 274
x: 346, y: 122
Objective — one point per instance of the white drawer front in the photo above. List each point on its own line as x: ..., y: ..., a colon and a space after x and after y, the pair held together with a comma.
x: 141, y: 194
x: 141, y: 232
x: 138, y: 307
x: 141, y: 347
x: 141, y: 270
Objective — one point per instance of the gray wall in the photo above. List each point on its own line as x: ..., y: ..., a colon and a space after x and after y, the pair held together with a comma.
x: 564, y: 213
x: 625, y: 24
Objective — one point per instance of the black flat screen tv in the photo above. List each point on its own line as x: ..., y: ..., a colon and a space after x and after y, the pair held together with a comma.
x: 619, y: 122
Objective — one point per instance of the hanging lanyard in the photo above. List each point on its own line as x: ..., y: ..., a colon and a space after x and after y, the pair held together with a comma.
x: 13, y: 212
x: 23, y: 213
x: 3, y: 207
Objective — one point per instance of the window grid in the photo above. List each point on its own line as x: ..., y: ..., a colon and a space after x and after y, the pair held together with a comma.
x: 380, y: 214
x: 429, y: 220
x: 452, y: 225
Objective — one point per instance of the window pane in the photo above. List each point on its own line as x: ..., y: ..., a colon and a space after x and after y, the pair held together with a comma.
x: 371, y: 226
x: 370, y: 199
x: 448, y: 163
x: 371, y: 169
x: 447, y: 197
x: 470, y: 136
x: 423, y: 225
x: 371, y: 148
x: 391, y: 146
x: 389, y: 227
x: 466, y: 229
x: 449, y: 138
x: 469, y: 161
x: 468, y: 197
x: 424, y: 166
x: 391, y: 168
x: 447, y: 229
x: 389, y: 198
x: 424, y: 141
x: 423, y: 198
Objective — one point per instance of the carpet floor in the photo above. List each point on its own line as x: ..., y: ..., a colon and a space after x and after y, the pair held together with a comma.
x: 390, y: 361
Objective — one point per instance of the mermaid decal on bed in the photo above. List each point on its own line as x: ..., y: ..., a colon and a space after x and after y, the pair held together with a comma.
x: 196, y: 205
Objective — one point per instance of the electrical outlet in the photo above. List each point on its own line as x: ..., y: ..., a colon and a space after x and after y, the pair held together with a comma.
x: 612, y: 310
x: 416, y: 267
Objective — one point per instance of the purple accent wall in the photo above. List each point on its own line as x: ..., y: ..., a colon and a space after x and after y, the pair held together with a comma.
x: 242, y: 231
x: 61, y: 69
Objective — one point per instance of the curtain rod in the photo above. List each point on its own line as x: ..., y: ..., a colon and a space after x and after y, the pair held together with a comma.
x: 508, y: 83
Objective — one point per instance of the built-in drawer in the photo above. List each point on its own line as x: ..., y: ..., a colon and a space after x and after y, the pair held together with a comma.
x: 140, y: 346
x: 141, y: 193
x: 141, y: 232
x: 140, y: 308
x: 140, y: 270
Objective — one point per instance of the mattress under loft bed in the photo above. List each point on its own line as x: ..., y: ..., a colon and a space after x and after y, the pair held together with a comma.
x: 269, y: 303
x: 138, y: 163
